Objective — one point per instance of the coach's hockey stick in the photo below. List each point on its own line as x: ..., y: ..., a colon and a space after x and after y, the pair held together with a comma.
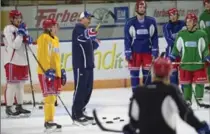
x: 198, y: 103
x: 44, y: 72
x: 29, y: 69
x: 99, y: 24
x: 101, y: 126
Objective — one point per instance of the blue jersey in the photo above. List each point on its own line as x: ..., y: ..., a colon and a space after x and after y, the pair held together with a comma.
x: 82, y: 48
x: 141, y: 36
x: 170, y: 31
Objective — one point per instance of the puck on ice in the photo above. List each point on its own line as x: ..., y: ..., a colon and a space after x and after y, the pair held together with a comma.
x: 121, y: 120
x: 93, y: 123
x: 40, y: 107
x: 109, y: 122
x: 104, y: 118
x: 116, y: 118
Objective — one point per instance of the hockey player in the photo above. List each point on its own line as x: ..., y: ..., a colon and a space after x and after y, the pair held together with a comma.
x: 141, y: 44
x: 204, y: 23
x: 84, y: 43
x: 192, y: 45
x: 164, y: 103
x: 50, y: 74
x: 15, y: 62
x: 170, y: 31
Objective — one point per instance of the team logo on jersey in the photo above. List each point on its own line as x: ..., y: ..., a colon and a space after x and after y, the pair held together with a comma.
x: 142, y: 31
x: 191, y: 44
x: 207, y: 23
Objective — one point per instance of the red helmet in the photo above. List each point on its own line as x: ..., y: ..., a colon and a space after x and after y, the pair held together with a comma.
x: 173, y: 11
x: 192, y: 16
x: 140, y: 3
x: 205, y: 1
x: 48, y: 23
x: 162, y: 67
x: 14, y: 13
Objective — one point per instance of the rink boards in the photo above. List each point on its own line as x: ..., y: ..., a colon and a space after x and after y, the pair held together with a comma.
x: 110, y: 65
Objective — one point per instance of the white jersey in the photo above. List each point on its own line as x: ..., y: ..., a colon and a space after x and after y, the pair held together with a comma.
x: 14, y: 48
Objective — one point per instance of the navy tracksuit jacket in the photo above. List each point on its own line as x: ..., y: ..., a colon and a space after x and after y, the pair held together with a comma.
x: 83, y: 63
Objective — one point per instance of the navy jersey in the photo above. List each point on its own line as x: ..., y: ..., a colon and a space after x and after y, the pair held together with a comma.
x: 82, y: 48
x: 141, y: 36
x: 170, y: 31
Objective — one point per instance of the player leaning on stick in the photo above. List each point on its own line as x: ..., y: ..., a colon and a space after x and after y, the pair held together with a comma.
x: 15, y: 62
x: 170, y: 31
x: 141, y: 44
x: 52, y: 77
x: 154, y: 108
x: 192, y: 45
x: 84, y: 43
x: 204, y: 23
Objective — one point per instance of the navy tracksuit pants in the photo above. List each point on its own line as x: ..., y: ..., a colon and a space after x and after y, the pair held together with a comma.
x: 83, y: 84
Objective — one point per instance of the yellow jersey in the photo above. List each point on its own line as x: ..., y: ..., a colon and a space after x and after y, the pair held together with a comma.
x: 48, y: 53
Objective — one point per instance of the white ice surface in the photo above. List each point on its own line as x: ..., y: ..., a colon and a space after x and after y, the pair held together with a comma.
x: 108, y: 103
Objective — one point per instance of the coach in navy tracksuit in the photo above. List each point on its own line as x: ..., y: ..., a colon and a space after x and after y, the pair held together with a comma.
x: 84, y: 43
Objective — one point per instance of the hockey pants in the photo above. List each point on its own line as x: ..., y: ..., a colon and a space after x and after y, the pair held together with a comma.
x: 83, y: 84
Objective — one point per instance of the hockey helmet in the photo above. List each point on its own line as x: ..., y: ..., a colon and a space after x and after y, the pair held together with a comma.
x: 48, y: 23
x: 162, y: 67
x: 140, y: 3
x: 173, y: 11
x: 193, y: 17
x: 15, y: 13
x: 205, y: 1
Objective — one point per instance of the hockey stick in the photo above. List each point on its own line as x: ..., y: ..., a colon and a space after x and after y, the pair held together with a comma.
x: 31, y: 84
x: 44, y: 72
x: 188, y: 63
x: 101, y: 126
x: 99, y: 24
x: 200, y: 104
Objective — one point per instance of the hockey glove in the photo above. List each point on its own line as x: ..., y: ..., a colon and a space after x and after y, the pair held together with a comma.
x: 91, y: 33
x: 63, y: 77
x: 207, y: 59
x: 204, y: 130
x: 128, y: 55
x: 22, y: 30
x: 28, y: 40
x: 50, y: 75
x: 128, y: 130
x: 155, y: 53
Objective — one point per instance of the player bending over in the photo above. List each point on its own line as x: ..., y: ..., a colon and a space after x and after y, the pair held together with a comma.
x: 204, y: 23
x: 192, y: 45
x: 141, y: 44
x: 154, y: 108
x: 52, y: 77
x: 170, y: 31
x: 15, y: 62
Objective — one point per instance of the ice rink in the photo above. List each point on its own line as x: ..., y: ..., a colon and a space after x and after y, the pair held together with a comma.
x: 108, y: 103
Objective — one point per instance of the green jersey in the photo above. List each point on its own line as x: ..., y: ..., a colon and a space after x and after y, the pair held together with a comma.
x: 204, y: 23
x: 192, y: 47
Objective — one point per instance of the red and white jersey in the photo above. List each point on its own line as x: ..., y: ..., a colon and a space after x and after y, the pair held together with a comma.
x: 14, y: 48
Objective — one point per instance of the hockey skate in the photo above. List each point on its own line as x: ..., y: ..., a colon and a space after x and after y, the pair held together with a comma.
x: 52, y: 127
x: 22, y: 112
x: 82, y: 121
x: 10, y: 113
